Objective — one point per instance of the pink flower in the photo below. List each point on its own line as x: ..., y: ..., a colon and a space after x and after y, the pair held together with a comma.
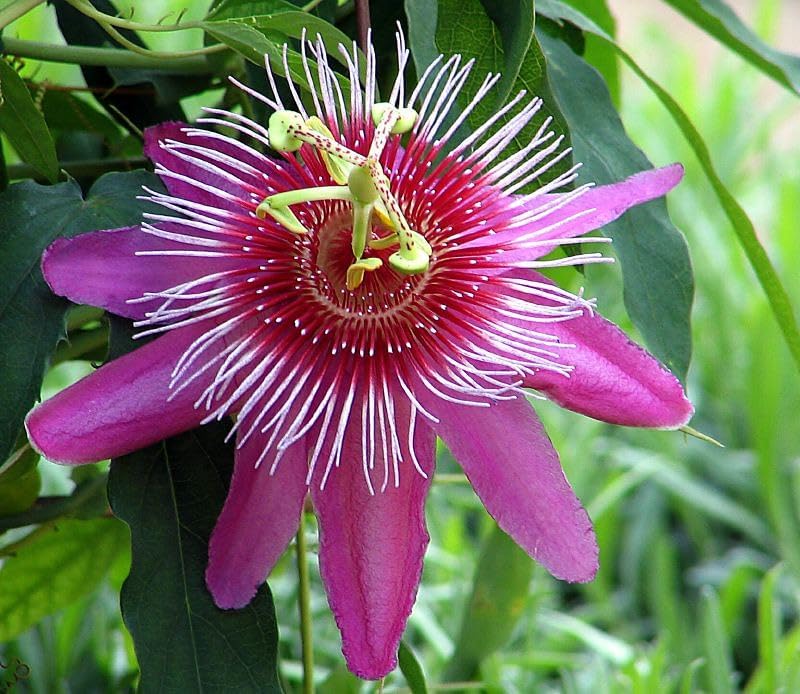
x: 389, y: 297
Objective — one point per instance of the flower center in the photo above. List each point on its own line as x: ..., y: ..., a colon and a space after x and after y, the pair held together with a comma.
x: 331, y: 257
x: 367, y: 189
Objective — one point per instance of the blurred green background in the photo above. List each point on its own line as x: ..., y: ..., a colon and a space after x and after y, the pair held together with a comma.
x: 699, y: 588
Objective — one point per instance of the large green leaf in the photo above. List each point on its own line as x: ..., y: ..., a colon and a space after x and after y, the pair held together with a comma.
x: 422, y: 17
x: 598, y: 53
x: 719, y: 20
x: 253, y: 45
x: 297, y: 24
x: 24, y: 126
x: 63, y: 564
x: 257, y: 37
x: 656, y: 271
x: 170, y: 496
x: 499, y: 592
x: 281, y: 17
x: 31, y: 318
x: 465, y: 28
x: 515, y: 19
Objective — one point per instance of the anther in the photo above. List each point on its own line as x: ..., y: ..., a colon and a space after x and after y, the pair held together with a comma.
x: 281, y: 124
x: 406, y: 117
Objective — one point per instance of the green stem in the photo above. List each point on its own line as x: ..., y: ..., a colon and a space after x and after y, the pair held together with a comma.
x: 101, y: 17
x: 15, y: 10
x: 51, y: 508
x: 161, y: 55
x: 304, y: 590
x: 105, y: 57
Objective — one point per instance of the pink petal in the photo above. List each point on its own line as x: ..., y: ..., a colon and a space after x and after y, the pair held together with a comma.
x: 371, y: 547
x: 119, y: 408
x: 515, y: 471
x: 260, y: 517
x: 101, y: 268
x: 593, y: 209
x: 161, y: 152
x: 614, y: 379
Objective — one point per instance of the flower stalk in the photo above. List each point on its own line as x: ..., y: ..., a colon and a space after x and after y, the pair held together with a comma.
x: 103, y: 57
x: 304, y: 606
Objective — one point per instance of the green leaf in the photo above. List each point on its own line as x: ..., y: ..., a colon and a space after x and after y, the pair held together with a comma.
x: 31, y: 318
x: 293, y: 23
x: 235, y: 9
x: 515, y: 19
x: 66, y: 112
x: 773, y: 287
x: 411, y: 669
x: 170, y: 496
x: 464, y: 28
x: 719, y: 20
x: 253, y: 45
x: 422, y: 17
x: 769, y: 615
x: 58, y: 567
x: 719, y: 666
x: 499, y: 594
x: 284, y: 18
x: 656, y: 271
x: 24, y: 125
x: 598, y: 53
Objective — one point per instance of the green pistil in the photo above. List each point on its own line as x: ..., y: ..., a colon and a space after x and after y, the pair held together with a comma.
x: 364, y: 195
x: 368, y: 189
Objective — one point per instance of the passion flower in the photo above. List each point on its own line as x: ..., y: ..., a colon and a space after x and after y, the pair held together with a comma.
x: 365, y: 286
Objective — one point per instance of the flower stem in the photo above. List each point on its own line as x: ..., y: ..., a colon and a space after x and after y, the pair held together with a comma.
x: 105, y: 57
x: 15, y: 10
x: 304, y: 590
x: 92, y: 12
x: 363, y: 24
x: 52, y: 508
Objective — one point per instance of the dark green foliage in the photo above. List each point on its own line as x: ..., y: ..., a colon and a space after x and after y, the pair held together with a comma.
x: 656, y: 270
x: 31, y: 318
x: 170, y: 496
